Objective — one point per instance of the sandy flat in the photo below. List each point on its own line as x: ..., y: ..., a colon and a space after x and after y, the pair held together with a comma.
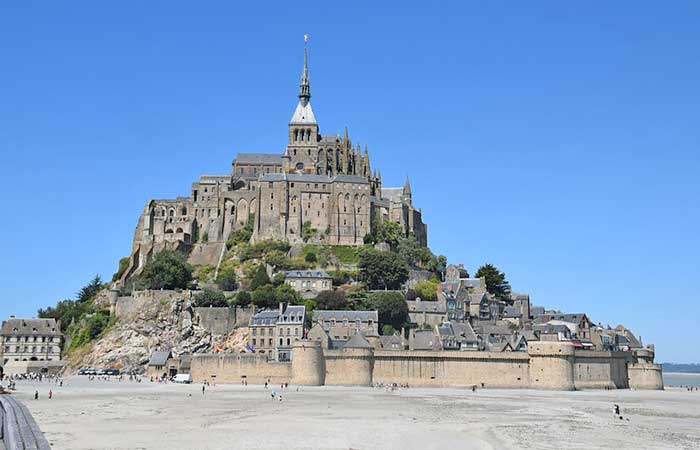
x: 126, y: 415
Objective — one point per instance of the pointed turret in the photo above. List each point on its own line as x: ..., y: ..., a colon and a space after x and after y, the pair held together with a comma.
x: 407, y: 191
x: 368, y: 171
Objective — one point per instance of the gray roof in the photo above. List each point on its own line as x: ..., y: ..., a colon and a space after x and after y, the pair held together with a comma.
x: 463, y: 332
x: 536, y: 310
x: 185, y: 360
x: 357, y: 341
x: 29, y: 327
x: 258, y: 158
x: 303, y: 114
x: 476, y: 298
x: 265, y: 318
x: 512, y: 311
x: 351, y: 316
x: 159, y: 358
x: 330, y: 137
x: 389, y: 341
x: 307, y: 274
x: 424, y: 340
x: 394, y: 194
x: 293, y: 314
x: 426, y: 306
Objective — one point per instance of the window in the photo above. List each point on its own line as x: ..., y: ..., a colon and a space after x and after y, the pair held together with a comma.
x: 288, y: 332
x: 262, y: 332
x: 296, y: 332
x: 270, y: 342
x: 255, y: 331
x: 292, y: 185
x: 289, y: 341
x: 254, y: 342
x: 281, y: 340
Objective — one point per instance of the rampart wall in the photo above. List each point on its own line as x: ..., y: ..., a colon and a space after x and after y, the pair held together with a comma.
x: 546, y: 365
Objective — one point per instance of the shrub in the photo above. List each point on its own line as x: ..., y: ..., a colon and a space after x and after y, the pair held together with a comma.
x: 242, y: 299
x: 388, y: 330
x: 427, y: 290
x: 382, y: 270
x: 286, y: 294
x: 278, y: 279
x: 205, y: 237
x: 310, y: 257
x: 391, y: 307
x: 167, y: 270
x: 264, y: 296
x: 333, y: 300
x: 226, y: 279
x: 209, y: 297
x: 307, y: 231
x: 123, y: 265
x: 260, y: 278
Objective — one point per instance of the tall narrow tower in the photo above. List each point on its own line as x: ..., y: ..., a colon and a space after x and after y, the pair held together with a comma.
x: 302, y: 143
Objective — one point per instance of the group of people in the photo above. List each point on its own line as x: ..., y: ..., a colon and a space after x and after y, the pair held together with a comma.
x: 390, y: 387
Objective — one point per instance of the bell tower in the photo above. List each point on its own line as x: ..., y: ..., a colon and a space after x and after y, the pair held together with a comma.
x: 302, y: 142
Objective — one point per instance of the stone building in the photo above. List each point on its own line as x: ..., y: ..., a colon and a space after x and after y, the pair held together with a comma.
x: 30, y: 340
x: 335, y: 328
x: 321, y: 186
x: 309, y: 283
x: 274, y: 332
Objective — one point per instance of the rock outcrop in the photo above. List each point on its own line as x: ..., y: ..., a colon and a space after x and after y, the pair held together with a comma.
x: 164, y: 323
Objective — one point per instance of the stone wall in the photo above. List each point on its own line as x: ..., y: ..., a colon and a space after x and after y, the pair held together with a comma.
x: 418, y: 368
x: 218, y: 321
x: 130, y: 305
x: 546, y: 365
x: 232, y: 368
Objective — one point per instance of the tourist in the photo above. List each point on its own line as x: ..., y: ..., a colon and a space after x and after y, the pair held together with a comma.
x: 50, y: 394
x: 36, y: 395
x: 203, y: 387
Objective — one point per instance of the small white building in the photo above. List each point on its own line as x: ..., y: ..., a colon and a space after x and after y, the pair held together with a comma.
x: 24, y: 340
x: 309, y: 283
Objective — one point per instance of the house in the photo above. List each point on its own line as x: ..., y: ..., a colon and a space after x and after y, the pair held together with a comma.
x: 582, y: 329
x: 24, y: 340
x: 335, y: 328
x: 423, y: 340
x: 483, y: 306
x: 421, y: 312
x: 161, y: 365
x: 274, y: 332
x: 457, y: 336
x: 393, y: 343
x: 514, y: 315
x: 309, y: 283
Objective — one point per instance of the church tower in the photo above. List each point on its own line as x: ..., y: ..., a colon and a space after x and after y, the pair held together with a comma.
x: 302, y: 143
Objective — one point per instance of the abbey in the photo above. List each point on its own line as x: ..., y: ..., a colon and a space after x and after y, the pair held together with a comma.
x: 321, y: 185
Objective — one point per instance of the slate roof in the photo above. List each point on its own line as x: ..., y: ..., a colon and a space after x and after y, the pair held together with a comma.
x: 29, y: 327
x: 424, y: 340
x: 357, y: 341
x: 259, y: 158
x: 463, y: 332
x: 159, y: 358
x: 303, y: 114
x: 307, y: 274
x: 394, y: 194
x: 293, y: 314
x: 312, y: 178
x: 339, y: 316
x: 390, y: 341
x: 512, y: 311
x: 475, y: 298
x: 265, y: 318
x: 330, y: 137
x: 426, y: 306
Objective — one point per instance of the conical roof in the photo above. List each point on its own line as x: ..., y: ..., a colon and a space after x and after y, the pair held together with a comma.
x: 357, y: 341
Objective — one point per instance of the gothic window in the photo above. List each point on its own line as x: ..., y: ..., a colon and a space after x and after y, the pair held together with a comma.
x: 289, y: 342
x: 272, y: 195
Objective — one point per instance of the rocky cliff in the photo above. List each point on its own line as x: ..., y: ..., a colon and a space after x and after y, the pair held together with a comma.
x: 164, y: 322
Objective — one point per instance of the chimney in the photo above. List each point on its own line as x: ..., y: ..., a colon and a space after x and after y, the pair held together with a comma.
x: 281, y: 308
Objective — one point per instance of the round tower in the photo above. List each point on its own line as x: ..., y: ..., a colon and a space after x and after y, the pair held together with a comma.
x: 308, y: 366
x: 551, y: 365
x: 644, y: 373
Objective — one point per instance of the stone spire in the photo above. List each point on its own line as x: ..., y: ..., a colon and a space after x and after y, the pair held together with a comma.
x: 304, y: 88
x: 407, y: 191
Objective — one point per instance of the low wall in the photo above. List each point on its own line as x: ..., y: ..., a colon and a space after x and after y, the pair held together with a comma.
x: 503, y: 370
x: 232, y: 368
x: 349, y: 367
x: 600, y: 370
x: 128, y: 306
x: 18, y: 428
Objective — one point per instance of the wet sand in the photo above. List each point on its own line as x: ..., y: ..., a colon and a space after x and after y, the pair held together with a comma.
x: 126, y: 415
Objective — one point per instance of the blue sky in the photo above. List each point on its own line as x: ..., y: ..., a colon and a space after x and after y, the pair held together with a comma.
x: 557, y: 140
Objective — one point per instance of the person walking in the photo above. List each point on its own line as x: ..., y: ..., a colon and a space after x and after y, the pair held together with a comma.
x: 36, y: 395
x: 203, y: 387
x: 50, y: 394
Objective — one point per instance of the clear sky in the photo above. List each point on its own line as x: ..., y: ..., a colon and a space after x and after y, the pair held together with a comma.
x: 557, y: 140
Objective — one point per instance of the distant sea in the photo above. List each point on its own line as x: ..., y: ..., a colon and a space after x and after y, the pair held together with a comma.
x: 681, y: 379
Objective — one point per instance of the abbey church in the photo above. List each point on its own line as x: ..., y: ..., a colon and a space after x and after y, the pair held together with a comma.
x: 320, y: 183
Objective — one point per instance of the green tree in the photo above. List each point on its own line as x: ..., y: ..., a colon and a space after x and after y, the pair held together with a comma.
x: 239, y: 236
x: 123, y: 265
x: 226, y: 279
x: 278, y: 279
x: 391, y: 307
x: 209, y: 297
x: 278, y: 259
x: 427, y: 290
x: 496, y: 282
x: 333, y: 300
x: 382, y: 270
x: 311, y: 257
x: 284, y: 293
x: 205, y: 237
x: 260, y: 278
x: 243, y: 299
x: 388, y: 330
x: 67, y: 311
x: 91, y: 289
x: 264, y: 296
x: 389, y: 232
x: 307, y: 231
x: 168, y: 269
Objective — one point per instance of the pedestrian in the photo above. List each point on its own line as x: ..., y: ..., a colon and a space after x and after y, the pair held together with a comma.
x: 50, y: 394
x: 616, y: 409
x: 203, y: 389
x: 36, y: 395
